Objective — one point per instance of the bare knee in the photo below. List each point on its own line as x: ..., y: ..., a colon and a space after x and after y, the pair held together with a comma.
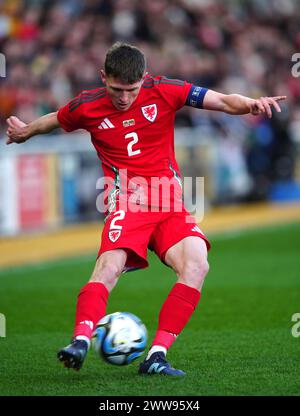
x: 193, y: 272
x: 107, y: 274
x: 108, y: 269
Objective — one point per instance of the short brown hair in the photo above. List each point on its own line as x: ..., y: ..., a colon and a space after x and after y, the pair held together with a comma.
x: 125, y: 62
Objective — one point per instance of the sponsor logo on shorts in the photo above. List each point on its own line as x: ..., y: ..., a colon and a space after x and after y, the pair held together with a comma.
x: 113, y: 235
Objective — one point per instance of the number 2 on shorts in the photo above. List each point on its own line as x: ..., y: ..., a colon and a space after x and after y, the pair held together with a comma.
x: 118, y: 216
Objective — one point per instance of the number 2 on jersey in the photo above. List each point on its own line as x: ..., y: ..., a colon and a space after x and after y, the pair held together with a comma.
x: 135, y: 139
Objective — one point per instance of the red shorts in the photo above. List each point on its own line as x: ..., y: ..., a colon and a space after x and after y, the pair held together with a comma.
x: 135, y: 232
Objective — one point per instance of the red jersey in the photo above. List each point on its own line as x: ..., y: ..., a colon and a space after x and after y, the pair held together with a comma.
x: 138, y: 141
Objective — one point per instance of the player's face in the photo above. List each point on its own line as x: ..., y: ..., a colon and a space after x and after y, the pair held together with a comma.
x: 121, y: 95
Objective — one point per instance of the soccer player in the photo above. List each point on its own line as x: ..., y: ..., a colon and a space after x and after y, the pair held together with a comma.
x: 131, y: 122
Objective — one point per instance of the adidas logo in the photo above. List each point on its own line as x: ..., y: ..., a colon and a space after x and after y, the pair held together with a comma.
x: 89, y: 323
x: 156, y: 368
x: 106, y: 124
x: 197, y: 229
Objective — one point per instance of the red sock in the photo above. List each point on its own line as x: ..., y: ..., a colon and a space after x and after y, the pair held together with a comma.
x: 175, y: 313
x: 91, y: 306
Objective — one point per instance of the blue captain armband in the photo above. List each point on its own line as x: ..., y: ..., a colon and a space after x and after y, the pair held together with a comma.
x: 196, y: 96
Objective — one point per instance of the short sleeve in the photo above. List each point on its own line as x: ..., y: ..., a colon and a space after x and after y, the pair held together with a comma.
x: 174, y: 91
x: 69, y: 116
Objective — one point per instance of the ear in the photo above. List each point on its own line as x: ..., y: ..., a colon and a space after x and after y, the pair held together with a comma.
x: 144, y: 75
x: 103, y: 76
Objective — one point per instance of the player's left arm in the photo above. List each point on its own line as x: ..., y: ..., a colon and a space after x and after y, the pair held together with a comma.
x: 239, y: 104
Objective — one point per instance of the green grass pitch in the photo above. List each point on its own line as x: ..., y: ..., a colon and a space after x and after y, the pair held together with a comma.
x: 239, y: 341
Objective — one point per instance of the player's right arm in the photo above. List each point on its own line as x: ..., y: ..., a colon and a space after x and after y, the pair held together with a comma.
x: 68, y: 117
x: 19, y: 132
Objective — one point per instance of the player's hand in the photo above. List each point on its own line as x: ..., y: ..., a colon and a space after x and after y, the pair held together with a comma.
x: 263, y: 105
x: 16, y: 131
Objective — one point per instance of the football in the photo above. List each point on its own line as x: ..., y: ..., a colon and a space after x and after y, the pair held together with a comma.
x: 119, y: 338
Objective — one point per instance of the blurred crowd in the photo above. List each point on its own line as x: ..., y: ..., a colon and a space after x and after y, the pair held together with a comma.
x: 54, y: 49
